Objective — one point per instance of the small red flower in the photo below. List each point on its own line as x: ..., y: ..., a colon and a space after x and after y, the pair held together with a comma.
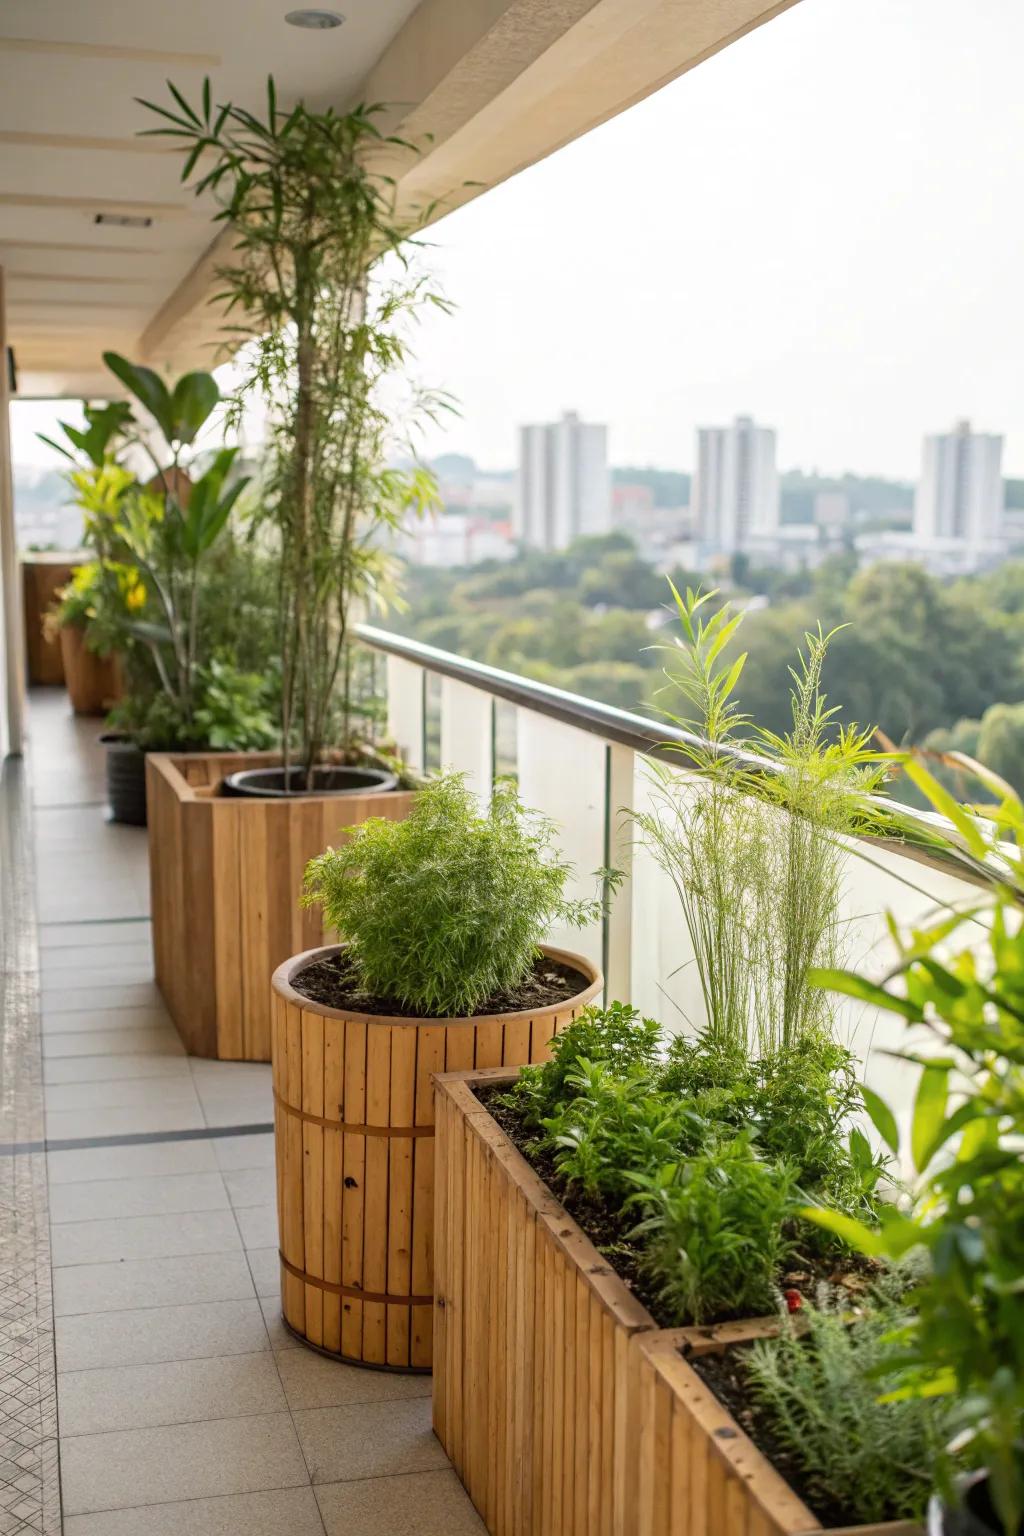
x: 794, y: 1300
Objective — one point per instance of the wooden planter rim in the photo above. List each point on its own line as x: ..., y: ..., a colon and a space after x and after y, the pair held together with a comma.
x: 282, y: 984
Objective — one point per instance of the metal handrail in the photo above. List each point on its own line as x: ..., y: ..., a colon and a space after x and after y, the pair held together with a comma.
x: 653, y: 738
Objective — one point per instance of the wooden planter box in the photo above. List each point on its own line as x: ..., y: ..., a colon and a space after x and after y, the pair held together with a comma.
x: 93, y: 682
x: 535, y: 1379
x: 562, y: 1406
x: 42, y: 576
x: 225, y: 880
x: 354, y: 1136
x: 700, y: 1474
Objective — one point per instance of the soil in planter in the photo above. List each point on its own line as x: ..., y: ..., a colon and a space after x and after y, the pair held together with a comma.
x: 609, y: 1230
x: 333, y: 982
x: 724, y: 1372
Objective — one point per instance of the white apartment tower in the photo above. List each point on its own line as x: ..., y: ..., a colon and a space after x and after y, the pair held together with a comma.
x: 563, y: 488
x: 960, y: 492
x: 736, y: 484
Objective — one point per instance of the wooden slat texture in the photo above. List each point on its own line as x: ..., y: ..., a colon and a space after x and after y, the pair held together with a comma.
x: 226, y: 876
x: 699, y: 1474
x: 40, y: 582
x: 356, y: 1208
x: 527, y: 1316
x: 93, y: 682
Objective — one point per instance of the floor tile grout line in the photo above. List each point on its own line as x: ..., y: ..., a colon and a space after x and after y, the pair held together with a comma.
x: 202, y: 1498
x: 133, y: 1138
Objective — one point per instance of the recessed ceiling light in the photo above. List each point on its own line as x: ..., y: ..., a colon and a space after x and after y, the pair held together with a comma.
x: 316, y: 21
x: 124, y: 220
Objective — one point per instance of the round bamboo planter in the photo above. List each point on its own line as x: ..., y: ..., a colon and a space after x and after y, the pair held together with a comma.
x: 354, y: 1139
x: 93, y: 682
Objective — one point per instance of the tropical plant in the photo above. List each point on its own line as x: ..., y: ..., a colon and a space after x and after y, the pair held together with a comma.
x: 961, y: 979
x: 100, y: 599
x: 446, y: 908
x: 823, y: 1392
x: 164, y: 526
x: 326, y: 323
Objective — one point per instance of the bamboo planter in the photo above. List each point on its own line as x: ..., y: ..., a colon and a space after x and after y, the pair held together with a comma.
x: 565, y: 1410
x: 93, y: 681
x: 225, y: 878
x: 354, y: 1138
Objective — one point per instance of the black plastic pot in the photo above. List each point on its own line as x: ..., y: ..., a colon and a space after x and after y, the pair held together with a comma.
x: 974, y: 1514
x: 126, y: 781
x: 264, y: 783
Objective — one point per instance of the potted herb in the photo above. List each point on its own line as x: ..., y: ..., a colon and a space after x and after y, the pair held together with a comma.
x: 440, y: 967
x: 962, y: 979
x: 90, y: 634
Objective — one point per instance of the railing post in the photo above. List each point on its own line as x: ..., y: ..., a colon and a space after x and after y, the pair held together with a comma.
x: 405, y: 709
x: 620, y: 776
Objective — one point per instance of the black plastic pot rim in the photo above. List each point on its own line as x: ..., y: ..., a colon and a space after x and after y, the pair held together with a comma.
x: 245, y: 784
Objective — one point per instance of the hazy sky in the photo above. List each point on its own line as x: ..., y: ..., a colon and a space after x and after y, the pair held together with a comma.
x: 821, y: 226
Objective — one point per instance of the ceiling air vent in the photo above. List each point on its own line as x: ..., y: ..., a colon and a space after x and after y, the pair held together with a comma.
x: 124, y: 220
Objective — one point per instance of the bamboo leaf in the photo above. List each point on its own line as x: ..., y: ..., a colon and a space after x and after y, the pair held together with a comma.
x: 929, y: 1114
x: 882, y: 1118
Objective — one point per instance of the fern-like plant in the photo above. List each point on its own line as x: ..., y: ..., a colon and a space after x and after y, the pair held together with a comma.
x: 446, y: 909
x: 823, y: 1391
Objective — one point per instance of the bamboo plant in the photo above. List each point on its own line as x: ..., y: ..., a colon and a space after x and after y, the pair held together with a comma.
x: 320, y: 286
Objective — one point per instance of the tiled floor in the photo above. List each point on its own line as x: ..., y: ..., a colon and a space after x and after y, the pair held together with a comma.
x: 185, y: 1408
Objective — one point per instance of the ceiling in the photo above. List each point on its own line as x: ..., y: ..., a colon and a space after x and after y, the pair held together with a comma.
x: 69, y: 74
x: 483, y: 87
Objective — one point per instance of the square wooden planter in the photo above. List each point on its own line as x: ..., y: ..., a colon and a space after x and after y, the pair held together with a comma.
x: 225, y: 880
x: 564, y: 1409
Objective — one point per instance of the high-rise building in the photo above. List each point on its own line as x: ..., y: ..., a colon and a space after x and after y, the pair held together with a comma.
x: 736, y: 484
x: 563, y: 488
x: 960, y: 492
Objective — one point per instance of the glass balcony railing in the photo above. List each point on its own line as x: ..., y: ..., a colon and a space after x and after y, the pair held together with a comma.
x: 587, y: 766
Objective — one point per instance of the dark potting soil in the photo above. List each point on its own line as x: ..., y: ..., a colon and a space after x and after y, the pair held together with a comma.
x: 725, y: 1373
x: 333, y: 982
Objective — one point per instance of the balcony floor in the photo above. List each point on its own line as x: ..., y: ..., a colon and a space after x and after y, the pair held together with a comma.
x: 139, y: 1302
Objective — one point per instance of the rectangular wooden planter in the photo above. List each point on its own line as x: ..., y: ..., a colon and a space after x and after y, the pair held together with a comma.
x: 564, y: 1409
x: 699, y: 1473
x: 535, y: 1381
x: 225, y: 880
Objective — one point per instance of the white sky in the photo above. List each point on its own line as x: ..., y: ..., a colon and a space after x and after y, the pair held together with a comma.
x: 821, y: 225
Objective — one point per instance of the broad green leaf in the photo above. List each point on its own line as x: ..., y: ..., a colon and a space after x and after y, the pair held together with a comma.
x: 147, y: 387
x: 865, y: 991
x: 854, y: 1233
x: 195, y: 397
x: 882, y: 1118
x: 929, y: 1114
